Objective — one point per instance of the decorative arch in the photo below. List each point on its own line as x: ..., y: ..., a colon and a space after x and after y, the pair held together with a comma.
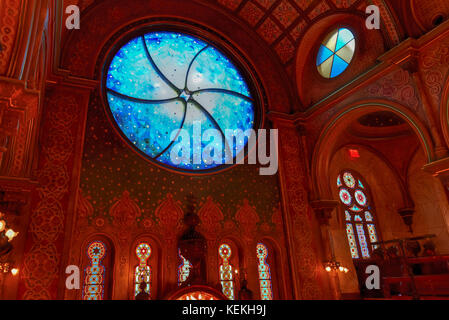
x: 407, y: 202
x: 322, y: 155
x: 311, y: 86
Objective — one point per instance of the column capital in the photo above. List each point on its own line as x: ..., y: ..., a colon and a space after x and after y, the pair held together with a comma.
x: 323, y: 210
x: 285, y: 120
x: 407, y: 215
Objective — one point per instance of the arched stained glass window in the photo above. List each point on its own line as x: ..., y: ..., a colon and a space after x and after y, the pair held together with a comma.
x: 94, y: 274
x: 226, y: 271
x: 266, y: 290
x: 359, y: 214
x: 142, y: 272
x: 183, y: 268
x: 335, y: 53
x: 161, y: 82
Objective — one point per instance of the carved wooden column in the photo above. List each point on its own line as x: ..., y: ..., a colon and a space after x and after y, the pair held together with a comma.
x: 303, y: 244
x: 52, y: 204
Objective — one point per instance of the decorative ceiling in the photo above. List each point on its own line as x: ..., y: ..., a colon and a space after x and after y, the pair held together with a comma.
x: 281, y: 23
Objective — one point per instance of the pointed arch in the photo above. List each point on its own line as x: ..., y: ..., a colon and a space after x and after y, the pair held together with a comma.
x: 322, y: 154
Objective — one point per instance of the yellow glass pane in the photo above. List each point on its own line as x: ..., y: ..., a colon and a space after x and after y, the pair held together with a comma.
x: 347, y: 52
x: 331, y: 41
x: 326, y: 67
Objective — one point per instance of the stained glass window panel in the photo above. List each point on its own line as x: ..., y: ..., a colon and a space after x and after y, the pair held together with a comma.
x: 335, y: 53
x: 362, y: 241
x: 357, y: 219
x: 349, y: 179
x: 339, y: 184
x: 347, y: 215
x: 162, y: 82
x: 352, y: 241
x: 95, y: 273
x: 266, y: 291
x: 183, y: 268
x: 345, y: 197
x: 226, y: 271
x: 368, y: 216
x: 372, y: 232
x: 142, y: 272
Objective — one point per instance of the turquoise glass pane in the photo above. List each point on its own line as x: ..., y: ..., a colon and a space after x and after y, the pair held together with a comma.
x: 162, y: 82
x: 338, y: 66
x: 329, y: 63
x: 131, y: 73
x: 211, y: 69
x: 344, y: 36
x: 323, y: 54
x: 172, y: 53
x: 147, y: 126
x: 194, y: 114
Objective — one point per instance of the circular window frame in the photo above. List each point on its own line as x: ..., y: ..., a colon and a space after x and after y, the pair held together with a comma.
x: 323, y: 36
x: 211, y: 37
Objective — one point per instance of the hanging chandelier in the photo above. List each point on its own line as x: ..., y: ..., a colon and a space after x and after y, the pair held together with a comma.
x: 330, y: 266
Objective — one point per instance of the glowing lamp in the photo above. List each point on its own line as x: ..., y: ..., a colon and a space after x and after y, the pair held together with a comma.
x: 11, y: 234
x: 2, y: 225
x: 14, y: 271
x: 328, y: 269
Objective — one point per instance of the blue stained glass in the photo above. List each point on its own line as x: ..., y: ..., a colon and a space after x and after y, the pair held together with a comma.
x: 212, y: 70
x: 162, y: 82
x: 172, y: 54
x: 323, y: 54
x: 148, y: 126
x: 344, y: 36
x: 335, y: 53
x: 131, y: 73
x: 339, y: 66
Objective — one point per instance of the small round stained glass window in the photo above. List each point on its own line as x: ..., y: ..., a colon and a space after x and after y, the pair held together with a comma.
x: 166, y: 90
x: 335, y: 53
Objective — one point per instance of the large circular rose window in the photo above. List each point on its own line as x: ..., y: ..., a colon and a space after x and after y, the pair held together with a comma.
x: 164, y: 88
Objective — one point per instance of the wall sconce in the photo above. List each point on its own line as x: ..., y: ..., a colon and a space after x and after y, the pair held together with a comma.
x: 6, y: 236
x: 330, y: 266
x: 5, y: 267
